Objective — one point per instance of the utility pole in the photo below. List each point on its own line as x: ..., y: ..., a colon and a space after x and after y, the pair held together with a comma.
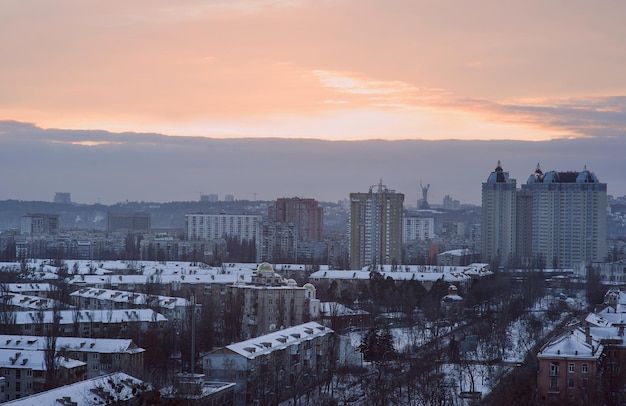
x: 193, y: 333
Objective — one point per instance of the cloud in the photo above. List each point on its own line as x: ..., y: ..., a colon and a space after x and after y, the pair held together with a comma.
x: 593, y: 117
x: 154, y: 167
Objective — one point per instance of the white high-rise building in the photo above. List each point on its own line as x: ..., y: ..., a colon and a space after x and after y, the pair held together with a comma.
x: 568, y: 217
x: 214, y: 226
x: 417, y: 228
x: 556, y: 219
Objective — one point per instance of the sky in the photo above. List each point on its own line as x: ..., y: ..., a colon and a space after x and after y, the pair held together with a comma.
x: 324, y: 69
x: 126, y: 83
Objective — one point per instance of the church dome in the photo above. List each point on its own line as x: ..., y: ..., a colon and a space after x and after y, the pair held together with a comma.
x: 265, y: 269
x: 309, y: 286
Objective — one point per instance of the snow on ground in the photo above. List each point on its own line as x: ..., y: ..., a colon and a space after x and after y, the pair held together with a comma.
x: 519, y: 340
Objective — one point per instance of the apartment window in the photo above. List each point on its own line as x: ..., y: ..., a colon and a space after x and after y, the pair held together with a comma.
x: 584, y: 382
x: 571, y: 367
x: 584, y: 369
x: 554, y: 369
x: 570, y: 383
x: 554, y: 383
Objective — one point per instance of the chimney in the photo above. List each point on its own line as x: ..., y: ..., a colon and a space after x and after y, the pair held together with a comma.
x: 620, y: 330
x: 588, y: 338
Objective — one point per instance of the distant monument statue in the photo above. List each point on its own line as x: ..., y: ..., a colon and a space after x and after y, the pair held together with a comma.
x: 424, y: 204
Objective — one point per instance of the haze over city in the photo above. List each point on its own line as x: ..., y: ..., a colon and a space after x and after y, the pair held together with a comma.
x: 262, y: 99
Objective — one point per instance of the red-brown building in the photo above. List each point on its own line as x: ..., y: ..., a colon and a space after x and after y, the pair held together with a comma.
x: 306, y: 214
x: 568, y: 367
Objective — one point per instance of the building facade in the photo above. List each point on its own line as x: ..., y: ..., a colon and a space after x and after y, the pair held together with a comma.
x: 498, y: 216
x: 274, y: 367
x: 417, y: 228
x: 568, y: 217
x: 32, y: 224
x: 376, y: 227
x: 568, y: 370
x: 277, y: 242
x: 556, y: 220
x: 269, y: 302
x: 306, y: 214
x: 125, y: 222
x: 101, y: 355
x: 214, y: 226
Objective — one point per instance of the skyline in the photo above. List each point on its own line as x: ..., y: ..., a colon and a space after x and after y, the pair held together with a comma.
x: 331, y: 70
x: 36, y: 163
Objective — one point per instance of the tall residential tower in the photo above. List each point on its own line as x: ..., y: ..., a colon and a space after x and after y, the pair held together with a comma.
x: 556, y: 220
x: 498, y: 216
x: 568, y: 217
x: 376, y: 227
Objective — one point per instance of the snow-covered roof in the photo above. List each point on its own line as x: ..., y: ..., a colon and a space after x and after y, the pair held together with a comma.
x: 604, y: 334
x: 28, y: 287
x: 613, y: 318
x: 397, y: 276
x: 99, y: 316
x: 32, y: 359
x: 121, y: 296
x: 596, y: 320
x: 337, y: 309
x: 458, y: 252
x: 278, y: 340
x: 452, y: 298
x: 96, y: 391
x: 570, y: 346
x: 202, y: 387
x: 99, y: 345
x: 93, y: 280
x: 27, y: 301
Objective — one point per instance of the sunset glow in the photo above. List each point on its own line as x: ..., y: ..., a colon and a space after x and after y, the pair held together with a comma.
x: 334, y: 70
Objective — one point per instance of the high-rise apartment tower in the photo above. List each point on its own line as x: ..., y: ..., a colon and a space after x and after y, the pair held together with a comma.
x: 568, y: 216
x: 376, y: 227
x: 498, y: 217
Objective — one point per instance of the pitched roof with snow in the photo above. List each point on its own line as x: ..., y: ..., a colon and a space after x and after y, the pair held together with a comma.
x: 106, y: 389
x: 27, y: 301
x: 32, y: 359
x: 122, y: 296
x: 570, y: 346
x: 396, y: 276
x: 99, y: 345
x: 94, y: 280
x: 98, y: 316
x: 337, y: 309
x: 278, y: 340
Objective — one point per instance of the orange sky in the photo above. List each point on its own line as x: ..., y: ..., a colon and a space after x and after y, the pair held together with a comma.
x: 329, y: 69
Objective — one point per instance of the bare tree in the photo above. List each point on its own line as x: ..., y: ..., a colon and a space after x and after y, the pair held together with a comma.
x: 7, y: 313
x: 50, y: 349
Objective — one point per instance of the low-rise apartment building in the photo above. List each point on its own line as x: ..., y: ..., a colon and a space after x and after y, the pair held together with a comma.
x: 274, y: 367
x: 89, y: 323
x: 103, y: 299
x: 25, y: 372
x: 117, y: 388
x: 270, y: 302
x: 101, y: 355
